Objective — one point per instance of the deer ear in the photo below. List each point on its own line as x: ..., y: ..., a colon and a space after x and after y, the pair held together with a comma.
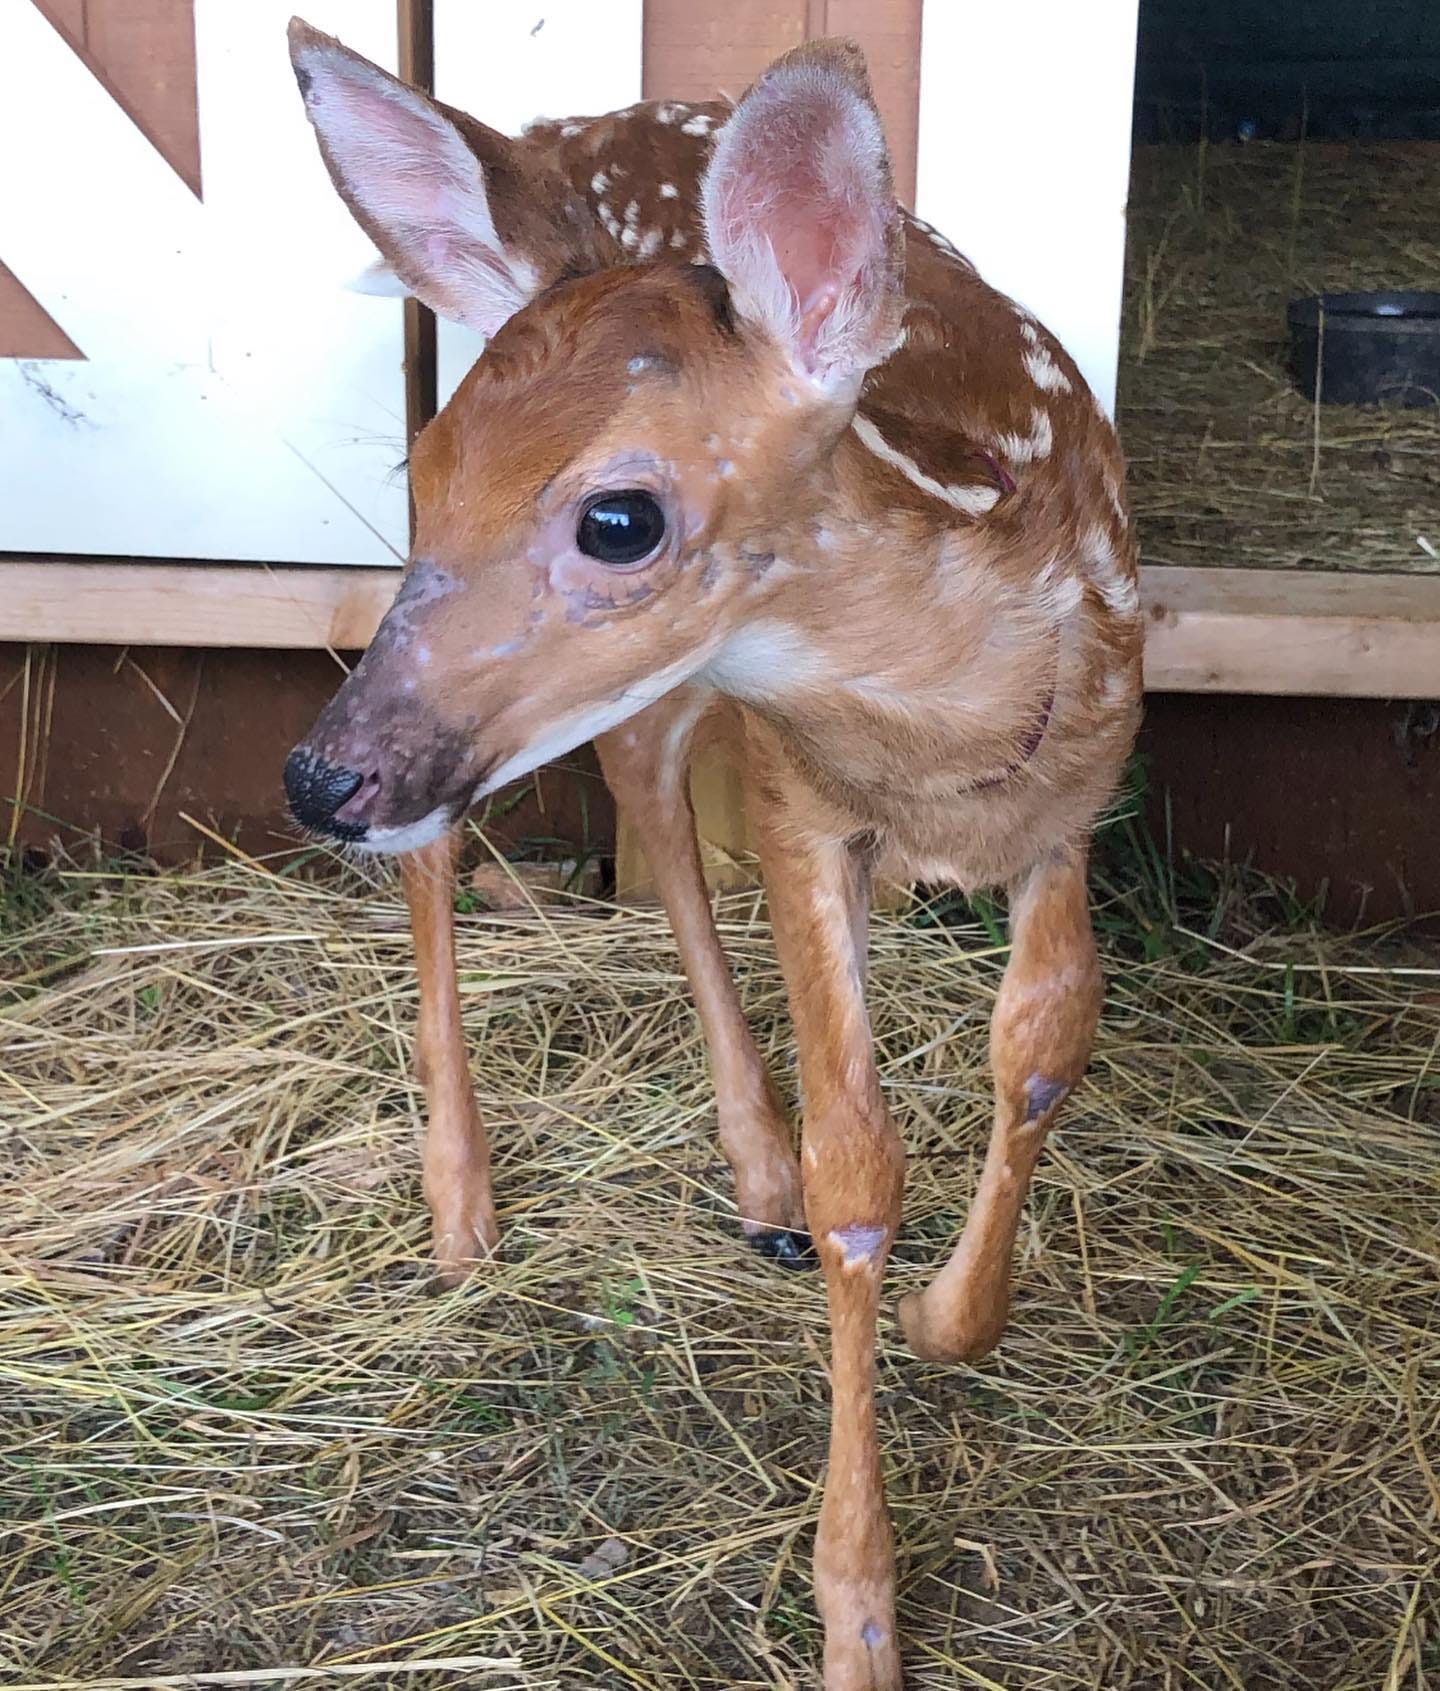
x: 462, y: 215
x: 800, y: 213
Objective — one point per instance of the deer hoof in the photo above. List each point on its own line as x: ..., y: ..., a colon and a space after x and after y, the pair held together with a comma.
x: 461, y: 1248
x: 791, y: 1247
x: 956, y: 1341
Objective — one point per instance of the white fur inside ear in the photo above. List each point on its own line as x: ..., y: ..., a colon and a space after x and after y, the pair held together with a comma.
x: 379, y: 279
x: 415, y: 184
x: 798, y: 212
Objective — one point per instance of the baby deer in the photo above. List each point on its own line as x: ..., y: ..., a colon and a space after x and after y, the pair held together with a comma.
x: 747, y: 437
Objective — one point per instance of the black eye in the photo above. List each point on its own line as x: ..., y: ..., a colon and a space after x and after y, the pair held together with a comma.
x: 621, y: 528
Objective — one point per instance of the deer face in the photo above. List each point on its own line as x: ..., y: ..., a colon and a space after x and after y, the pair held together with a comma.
x: 603, y: 503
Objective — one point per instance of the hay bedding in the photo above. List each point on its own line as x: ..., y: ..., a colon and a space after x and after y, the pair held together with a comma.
x: 1229, y: 465
x: 237, y: 1441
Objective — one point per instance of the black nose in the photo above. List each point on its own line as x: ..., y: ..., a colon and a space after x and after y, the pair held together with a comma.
x: 316, y: 789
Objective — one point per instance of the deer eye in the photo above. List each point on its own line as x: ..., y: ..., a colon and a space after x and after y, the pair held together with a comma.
x: 621, y: 528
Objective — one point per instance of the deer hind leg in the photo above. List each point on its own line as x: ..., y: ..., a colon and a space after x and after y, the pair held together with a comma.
x: 647, y: 767
x: 1040, y: 1037
x: 854, y: 1171
x: 457, y: 1153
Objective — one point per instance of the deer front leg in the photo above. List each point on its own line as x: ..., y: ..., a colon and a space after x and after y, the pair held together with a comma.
x: 853, y: 1166
x: 457, y: 1153
x: 647, y: 768
x: 1040, y: 1037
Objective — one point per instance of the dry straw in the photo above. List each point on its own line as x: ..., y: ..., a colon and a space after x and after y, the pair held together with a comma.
x: 1229, y: 465
x: 241, y: 1445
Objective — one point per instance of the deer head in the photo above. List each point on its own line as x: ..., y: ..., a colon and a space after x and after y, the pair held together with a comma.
x: 605, y: 506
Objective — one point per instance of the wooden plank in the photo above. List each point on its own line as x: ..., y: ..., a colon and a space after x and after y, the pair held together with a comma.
x: 125, y: 602
x: 1322, y: 634
x: 696, y: 49
x: 889, y: 33
x: 144, y: 50
x: 27, y: 330
x: 1208, y: 631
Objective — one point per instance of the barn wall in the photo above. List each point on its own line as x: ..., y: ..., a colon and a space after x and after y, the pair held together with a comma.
x: 1343, y: 793
x: 129, y: 742
x: 124, y: 742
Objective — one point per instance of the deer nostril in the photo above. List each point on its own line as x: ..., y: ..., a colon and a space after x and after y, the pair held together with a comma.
x: 316, y: 788
x: 352, y: 808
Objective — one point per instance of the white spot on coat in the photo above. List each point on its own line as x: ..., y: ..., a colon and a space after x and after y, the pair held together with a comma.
x: 1122, y: 596
x: 1099, y: 550
x: 1059, y: 587
x: 668, y: 191
x: 1117, y: 689
x: 973, y: 501
x: 1114, y: 582
x: 1031, y: 448
x: 935, y: 238
x: 1045, y: 372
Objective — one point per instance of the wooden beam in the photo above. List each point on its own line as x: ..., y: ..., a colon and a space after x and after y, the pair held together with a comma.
x: 1207, y: 631
x: 1325, y: 634
x: 118, y: 602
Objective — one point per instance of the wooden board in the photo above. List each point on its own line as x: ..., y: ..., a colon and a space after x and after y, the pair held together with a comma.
x: 1207, y: 631
x: 1295, y: 633
x: 696, y: 51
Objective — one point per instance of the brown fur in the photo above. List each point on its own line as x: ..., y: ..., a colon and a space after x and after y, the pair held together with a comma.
x: 919, y: 689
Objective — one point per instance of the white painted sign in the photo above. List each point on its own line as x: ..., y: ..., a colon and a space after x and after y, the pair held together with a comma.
x: 234, y: 401
x: 1024, y: 157
x: 508, y: 65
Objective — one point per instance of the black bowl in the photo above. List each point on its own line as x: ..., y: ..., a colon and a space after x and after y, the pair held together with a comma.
x: 1374, y: 347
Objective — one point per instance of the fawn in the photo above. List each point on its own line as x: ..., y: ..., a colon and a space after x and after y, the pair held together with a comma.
x: 747, y: 437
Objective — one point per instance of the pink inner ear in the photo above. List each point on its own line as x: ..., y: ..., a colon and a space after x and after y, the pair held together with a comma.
x: 798, y: 207
x: 809, y: 257
x: 418, y: 187
x: 396, y: 155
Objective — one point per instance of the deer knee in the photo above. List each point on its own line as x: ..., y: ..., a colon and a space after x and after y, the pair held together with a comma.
x: 853, y: 1171
x: 1040, y: 1036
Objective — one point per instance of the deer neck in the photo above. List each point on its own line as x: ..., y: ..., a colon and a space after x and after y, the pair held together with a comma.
x: 889, y: 651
